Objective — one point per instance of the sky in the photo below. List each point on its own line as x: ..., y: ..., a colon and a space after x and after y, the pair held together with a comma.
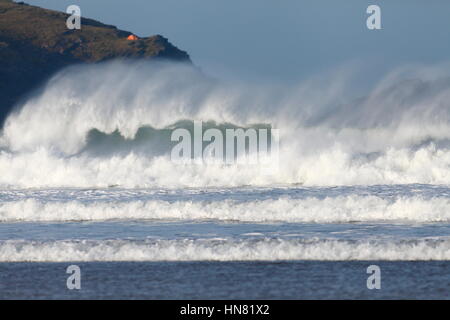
x: 284, y: 40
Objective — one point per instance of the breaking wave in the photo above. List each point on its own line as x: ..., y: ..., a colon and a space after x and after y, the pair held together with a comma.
x: 266, y: 249
x: 340, y: 209
x: 109, y: 125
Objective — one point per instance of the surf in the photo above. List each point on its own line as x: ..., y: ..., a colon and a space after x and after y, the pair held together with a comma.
x: 265, y: 249
x: 109, y: 124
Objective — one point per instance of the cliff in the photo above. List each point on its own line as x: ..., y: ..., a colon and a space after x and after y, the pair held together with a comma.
x: 35, y: 43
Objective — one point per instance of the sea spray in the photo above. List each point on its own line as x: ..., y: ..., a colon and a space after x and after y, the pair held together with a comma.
x: 109, y: 125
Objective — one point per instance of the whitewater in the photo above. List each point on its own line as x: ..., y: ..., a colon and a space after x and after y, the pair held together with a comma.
x: 86, y: 173
x: 109, y: 124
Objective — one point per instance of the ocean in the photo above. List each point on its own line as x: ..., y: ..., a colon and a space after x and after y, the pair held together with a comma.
x: 87, y: 180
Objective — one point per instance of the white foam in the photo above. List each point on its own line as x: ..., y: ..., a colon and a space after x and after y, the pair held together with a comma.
x: 222, y: 250
x: 340, y: 209
x: 399, y: 134
x: 426, y: 165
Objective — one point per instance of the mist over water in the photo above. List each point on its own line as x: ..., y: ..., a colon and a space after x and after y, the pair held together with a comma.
x: 353, y: 188
x: 359, y: 180
x: 94, y: 146
x: 110, y: 124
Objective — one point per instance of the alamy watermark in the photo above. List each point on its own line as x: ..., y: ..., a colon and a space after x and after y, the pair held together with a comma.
x: 373, y: 22
x: 74, y: 280
x: 250, y: 146
x: 374, y: 280
x: 74, y: 20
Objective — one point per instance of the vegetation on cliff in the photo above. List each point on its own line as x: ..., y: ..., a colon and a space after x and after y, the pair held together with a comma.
x: 35, y: 43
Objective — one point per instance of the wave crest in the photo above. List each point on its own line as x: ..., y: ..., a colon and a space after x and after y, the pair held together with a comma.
x: 266, y: 249
x: 340, y: 209
x: 399, y: 133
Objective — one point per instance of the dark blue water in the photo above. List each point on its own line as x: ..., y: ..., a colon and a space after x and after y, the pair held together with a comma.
x: 227, y: 280
x: 220, y: 244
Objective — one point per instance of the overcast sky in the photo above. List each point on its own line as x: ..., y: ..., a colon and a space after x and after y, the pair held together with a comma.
x: 283, y: 40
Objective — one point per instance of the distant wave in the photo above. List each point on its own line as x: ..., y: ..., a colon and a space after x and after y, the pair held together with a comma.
x: 108, y: 124
x: 340, y: 209
x: 267, y: 249
x: 149, y: 141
